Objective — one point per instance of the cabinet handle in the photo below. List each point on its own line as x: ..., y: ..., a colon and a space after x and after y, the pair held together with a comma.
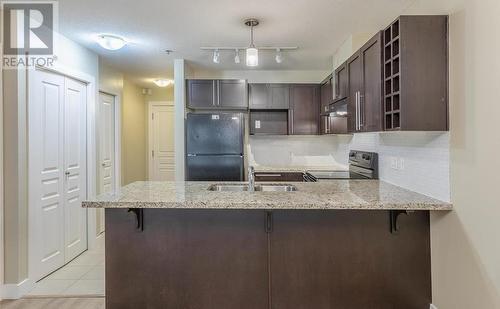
x: 361, y: 112
x: 291, y: 121
x: 268, y: 175
x: 218, y: 93
x: 213, y: 93
x: 356, y: 107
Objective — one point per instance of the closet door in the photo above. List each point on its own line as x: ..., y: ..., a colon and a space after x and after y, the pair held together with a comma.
x: 46, y: 173
x: 75, y: 189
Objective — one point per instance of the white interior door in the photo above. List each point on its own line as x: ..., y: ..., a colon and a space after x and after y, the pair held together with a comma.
x: 75, y: 146
x: 106, y: 162
x: 46, y: 172
x: 57, y: 171
x: 161, y: 143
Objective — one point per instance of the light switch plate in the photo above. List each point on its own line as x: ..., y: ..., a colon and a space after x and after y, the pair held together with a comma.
x: 257, y: 124
x: 433, y: 307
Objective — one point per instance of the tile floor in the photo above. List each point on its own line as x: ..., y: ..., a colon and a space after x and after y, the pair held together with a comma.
x: 84, y: 276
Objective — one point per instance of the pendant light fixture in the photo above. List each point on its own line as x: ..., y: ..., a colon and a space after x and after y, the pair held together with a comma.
x: 251, y: 51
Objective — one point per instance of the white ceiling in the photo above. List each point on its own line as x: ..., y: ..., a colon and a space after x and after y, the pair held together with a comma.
x: 318, y: 27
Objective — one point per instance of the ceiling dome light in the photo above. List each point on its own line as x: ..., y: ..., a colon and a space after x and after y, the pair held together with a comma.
x: 216, y: 56
x: 279, y: 56
x: 111, y: 42
x: 237, y: 56
x: 163, y: 82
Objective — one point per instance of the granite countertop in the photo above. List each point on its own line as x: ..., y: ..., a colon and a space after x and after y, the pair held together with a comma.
x: 332, y: 194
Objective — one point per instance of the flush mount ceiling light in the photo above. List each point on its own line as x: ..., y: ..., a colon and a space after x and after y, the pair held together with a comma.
x: 252, y: 51
x: 163, y: 82
x: 111, y: 42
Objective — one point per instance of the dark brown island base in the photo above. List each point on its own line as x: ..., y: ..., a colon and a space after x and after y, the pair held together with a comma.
x: 340, y: 244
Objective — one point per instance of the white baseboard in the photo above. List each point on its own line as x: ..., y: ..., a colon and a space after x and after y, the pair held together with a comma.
x: 16, y: 291
x: 433, y: 307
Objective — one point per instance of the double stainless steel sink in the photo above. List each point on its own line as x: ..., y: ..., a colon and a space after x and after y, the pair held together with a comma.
x: 258, y: 188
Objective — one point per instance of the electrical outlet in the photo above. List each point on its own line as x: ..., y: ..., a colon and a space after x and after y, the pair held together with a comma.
x: 257, y: 124
x: 394, y: 163
x: 401, y: 164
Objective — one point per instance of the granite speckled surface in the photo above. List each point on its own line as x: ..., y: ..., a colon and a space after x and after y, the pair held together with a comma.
x: 333, y: 194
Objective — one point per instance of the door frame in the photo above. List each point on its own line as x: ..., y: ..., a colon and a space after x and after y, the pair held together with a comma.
x: 149, y: 128
x: 117, y: 131
x: 91, y: 159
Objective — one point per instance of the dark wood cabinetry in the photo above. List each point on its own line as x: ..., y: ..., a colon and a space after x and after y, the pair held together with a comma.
x: 269, y: 96
x: 187, y: 259
x: 217, y: 94
x: 416, y: 74
x: 365, y: 87
x: 326, y: 95
x: 256, y: 259
x: 341, y: 82
x: 339, y: 259
x: 303, y: 118
x: 279, y: 176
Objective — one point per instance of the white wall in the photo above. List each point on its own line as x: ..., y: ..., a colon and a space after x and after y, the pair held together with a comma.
x: 308, y: 151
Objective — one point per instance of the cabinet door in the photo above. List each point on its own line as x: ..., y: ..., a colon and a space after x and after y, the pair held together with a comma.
x: 371, y: 98
x: 201, y: 94
x: 258, y: 96
x: 326, y: 96
x: 342, y: 82
x: 187, y: 259
x: 232, y: 94
x: 279, y: 95
x: 331, y: 259
x: 355, y: 81
x: 304, y: 112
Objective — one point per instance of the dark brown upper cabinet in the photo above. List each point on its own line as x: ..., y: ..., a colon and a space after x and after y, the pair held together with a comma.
x: 416, y: 74
x: 303, y: 118
x: 269, y: 96
x: 326, y: 95
x: 341, y: 82
x: 217, y: 94
x: 365, y: 87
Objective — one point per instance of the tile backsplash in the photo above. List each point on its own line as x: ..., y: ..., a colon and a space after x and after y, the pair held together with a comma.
x: 418, y: 161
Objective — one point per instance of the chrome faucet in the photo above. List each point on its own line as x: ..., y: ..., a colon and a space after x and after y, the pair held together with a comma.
x: 251, y: 179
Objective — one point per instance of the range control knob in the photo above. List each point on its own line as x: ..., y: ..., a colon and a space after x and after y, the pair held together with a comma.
x: 366, y: 157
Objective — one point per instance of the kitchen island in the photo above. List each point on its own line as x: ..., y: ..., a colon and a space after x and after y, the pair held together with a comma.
x: 336, y: 244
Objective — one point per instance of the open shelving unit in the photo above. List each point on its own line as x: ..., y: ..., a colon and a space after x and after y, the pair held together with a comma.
x: 392, y: 77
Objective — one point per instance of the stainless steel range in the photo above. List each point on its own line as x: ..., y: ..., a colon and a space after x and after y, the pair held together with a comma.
x: 362, y: 165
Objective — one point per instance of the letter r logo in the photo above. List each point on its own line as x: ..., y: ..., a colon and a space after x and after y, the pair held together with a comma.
x: 28, y: 28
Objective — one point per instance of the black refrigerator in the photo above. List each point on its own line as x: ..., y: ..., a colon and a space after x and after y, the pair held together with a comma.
x: 214, y: 147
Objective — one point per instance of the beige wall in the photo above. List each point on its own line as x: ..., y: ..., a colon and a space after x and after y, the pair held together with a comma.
x: 133, y: 134
x: 466, y: 248
x: 161, y: 94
